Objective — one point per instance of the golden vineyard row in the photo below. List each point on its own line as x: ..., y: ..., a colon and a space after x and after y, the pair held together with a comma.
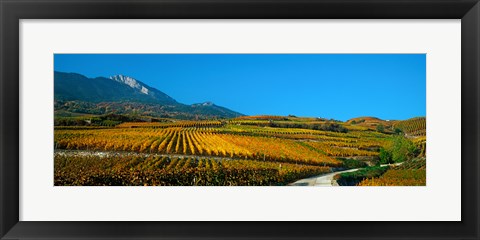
x: 191, y: 141
x: 158, y: 170
x: 183, y: 123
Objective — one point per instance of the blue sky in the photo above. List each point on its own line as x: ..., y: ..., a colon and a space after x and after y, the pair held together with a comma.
x: 339, y: 86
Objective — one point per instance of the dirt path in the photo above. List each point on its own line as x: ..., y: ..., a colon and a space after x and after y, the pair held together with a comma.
x: 104, y: 154
x: 321, y: 180
x: 327, y: 179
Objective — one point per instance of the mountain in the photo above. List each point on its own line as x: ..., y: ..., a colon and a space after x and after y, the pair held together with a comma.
x: 142, y: 88
x: 73, y: 86
x: 119, y: 94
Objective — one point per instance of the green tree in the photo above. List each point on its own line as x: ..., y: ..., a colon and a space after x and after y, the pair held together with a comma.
x: 398, y: 131
x: 401, y: 149
x: 385, y: 156
x: 380, y: 128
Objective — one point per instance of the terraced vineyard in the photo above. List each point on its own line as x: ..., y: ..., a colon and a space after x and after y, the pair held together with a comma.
x: 411, y: 173
x: 414, y: 127
x: 421, y: 144
x: 263, y: 150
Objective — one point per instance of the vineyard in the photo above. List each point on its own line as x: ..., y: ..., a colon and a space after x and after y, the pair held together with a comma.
x: 414, y: 127
x: 245, y: 151
x: 421, y: 144
x: 166, y: 171
x: 170, y: 124
x: 411, y: 173
x: 188, y: 141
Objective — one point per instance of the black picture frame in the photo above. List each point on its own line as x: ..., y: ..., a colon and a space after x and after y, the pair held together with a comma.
x: 12, y: 11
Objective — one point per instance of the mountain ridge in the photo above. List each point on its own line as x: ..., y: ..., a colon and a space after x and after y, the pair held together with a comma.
x: 74, y: 92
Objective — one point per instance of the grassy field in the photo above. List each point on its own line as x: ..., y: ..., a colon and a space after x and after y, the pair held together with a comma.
x: 245, y: 151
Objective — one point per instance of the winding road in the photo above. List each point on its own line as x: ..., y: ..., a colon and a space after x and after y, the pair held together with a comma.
x: 327, y: 179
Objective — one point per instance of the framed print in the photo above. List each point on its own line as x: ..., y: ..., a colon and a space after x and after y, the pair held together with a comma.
x: 239, y: 119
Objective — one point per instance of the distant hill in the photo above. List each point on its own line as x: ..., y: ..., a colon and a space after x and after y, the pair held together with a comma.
x: 76, y: 94
x: 413, y: 127
x: 368, y: 121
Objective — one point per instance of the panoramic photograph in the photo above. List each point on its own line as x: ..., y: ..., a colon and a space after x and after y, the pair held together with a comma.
x: 240, y: 120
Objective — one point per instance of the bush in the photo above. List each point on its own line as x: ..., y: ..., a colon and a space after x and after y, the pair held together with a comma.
x: 385, y: 156
x: 398, y: 131
x: 380, y: 128
x: 400, y: 150
x: 352, y: 163
x: 353, y: 178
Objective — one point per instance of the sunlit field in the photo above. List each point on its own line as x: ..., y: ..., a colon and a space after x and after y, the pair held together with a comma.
x: 245, y: 151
